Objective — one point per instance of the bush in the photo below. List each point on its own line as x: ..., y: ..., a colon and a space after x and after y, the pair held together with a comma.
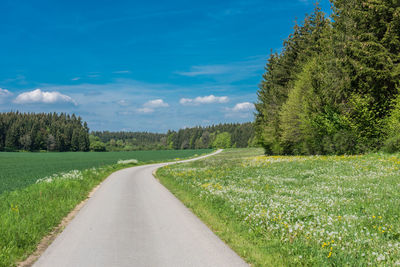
x: 392, y: 126
x: 392, y: 144
x: 223, y: 140
x: 97, y: 146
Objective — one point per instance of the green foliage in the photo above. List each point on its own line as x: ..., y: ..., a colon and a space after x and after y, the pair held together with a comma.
x: 331, y: 89
x: 35, y: 132
x: 222, y: 140
x: 393, y: 121
x: 282, y: 71
x: 392, y: 126
x: 392, y: 144
x: 98, y: 146
x: 188, y: 138
x: 364, y: 122
x: 293, y: 120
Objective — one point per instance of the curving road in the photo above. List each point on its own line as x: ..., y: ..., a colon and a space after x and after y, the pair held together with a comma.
x: 132, y: 220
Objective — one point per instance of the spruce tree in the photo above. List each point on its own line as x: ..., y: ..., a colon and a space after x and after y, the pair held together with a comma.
x: 279, y: 78
x: 367, y: 36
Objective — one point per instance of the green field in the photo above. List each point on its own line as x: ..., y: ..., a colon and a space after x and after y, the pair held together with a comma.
x: 40, y: 189
x: 297, y: 210
x: 18, y: 170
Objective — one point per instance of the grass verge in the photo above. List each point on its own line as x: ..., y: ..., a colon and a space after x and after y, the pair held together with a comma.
x: 29, y: 214
x: 284, y: 211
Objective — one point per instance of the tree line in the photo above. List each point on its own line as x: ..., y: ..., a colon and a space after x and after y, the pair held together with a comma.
x: 221, y: 135
x: 127, y: 141
x: 334, y: 87
x: 64, y: 132
x: 36, y: 132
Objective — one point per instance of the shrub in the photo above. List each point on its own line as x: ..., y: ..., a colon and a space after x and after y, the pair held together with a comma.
x: 223, y: 140
x: 392, y: 144
x: 392, y: 126
x: 98, y: 146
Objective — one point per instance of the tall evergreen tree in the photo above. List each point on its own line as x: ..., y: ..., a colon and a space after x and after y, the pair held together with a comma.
x: 339, y: 95
x: 280, y: 75
x: 367, y: 36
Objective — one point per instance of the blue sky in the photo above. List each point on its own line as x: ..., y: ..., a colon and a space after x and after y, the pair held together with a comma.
x: 141, y: 65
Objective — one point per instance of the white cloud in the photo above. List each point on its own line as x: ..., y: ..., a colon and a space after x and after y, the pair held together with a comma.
x: 39, y: 96
x: 5, y: 92
x: 145, y: 110
x: 76, y: 79
x: 185, y: 101
x: 204, y: 100
x: 240, y: 110
x: 157, y: 103
x: 150, y: 106
x: 245, y: 106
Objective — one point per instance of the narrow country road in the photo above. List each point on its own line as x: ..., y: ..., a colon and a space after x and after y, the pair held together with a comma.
x: 132, y: 220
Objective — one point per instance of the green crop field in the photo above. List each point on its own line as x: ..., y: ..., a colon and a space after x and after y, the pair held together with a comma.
x: 39, y: 189
x: 18, y: 170
x: 297, y: 210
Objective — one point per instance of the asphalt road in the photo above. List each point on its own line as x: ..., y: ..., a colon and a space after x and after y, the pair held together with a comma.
x: 132, y: 220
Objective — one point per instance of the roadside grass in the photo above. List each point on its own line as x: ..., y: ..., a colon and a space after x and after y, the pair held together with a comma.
x: 28, y: 214
x: 300, y: 210
x: 20, y: 169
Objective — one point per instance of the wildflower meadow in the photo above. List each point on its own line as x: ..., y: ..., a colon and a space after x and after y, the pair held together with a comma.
x: 297, y: 210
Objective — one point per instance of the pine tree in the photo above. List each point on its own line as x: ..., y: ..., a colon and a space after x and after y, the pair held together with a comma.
x: 367, y: 36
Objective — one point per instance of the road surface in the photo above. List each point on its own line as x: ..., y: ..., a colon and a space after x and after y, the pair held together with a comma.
x: 132, y: 220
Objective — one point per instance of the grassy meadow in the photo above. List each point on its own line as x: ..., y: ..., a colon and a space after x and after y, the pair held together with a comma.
x: 40, y: 189
x: 20, y: 169
x: 296, y: 210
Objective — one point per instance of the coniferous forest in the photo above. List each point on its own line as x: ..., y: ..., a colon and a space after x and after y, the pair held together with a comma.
x: 63, y: 132
x: 35, y: 132
x: 334, y: 87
